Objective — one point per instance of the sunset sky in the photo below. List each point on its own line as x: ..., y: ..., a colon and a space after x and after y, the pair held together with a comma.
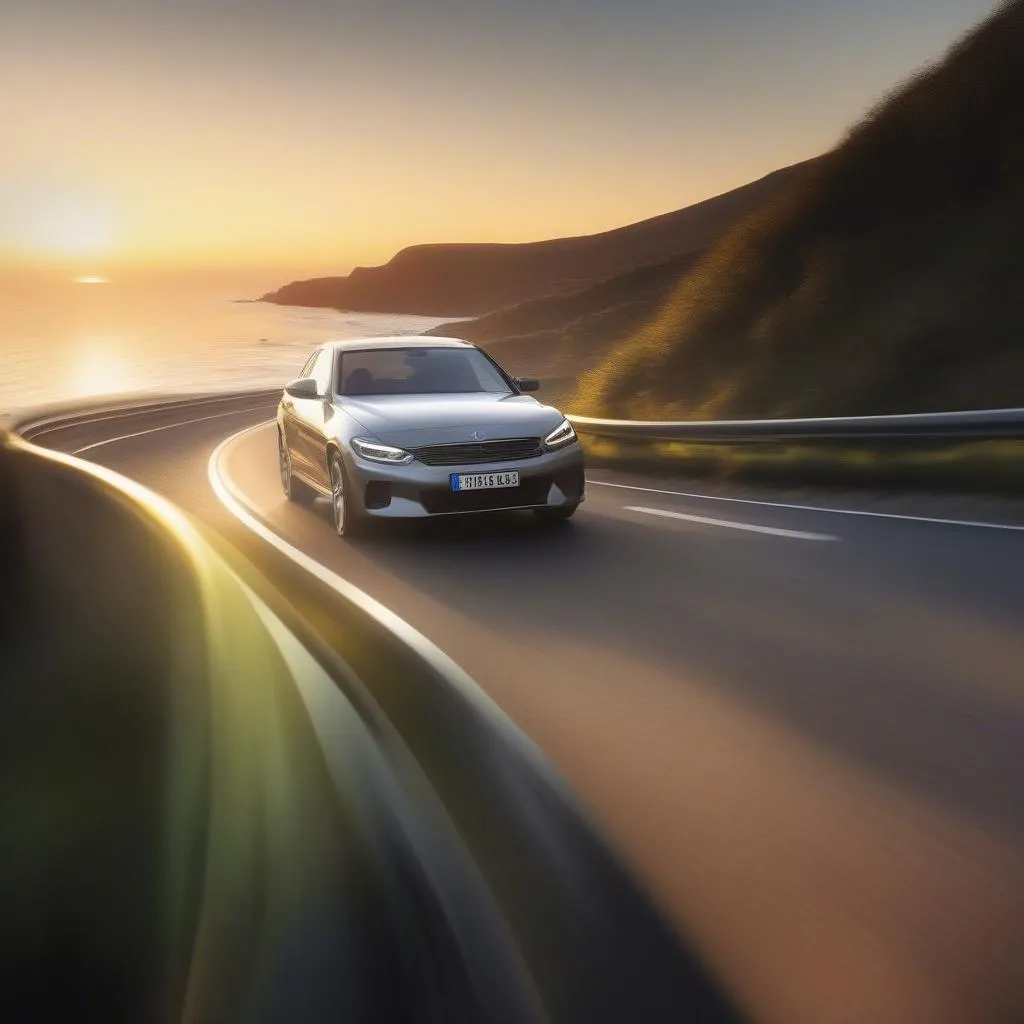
x: 319, y: 134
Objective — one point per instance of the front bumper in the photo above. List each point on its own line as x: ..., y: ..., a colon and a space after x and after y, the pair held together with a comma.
x: 552, y: 480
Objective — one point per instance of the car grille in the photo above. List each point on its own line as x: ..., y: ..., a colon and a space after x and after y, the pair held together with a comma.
x: 437, y: 500
x: 479, y: 452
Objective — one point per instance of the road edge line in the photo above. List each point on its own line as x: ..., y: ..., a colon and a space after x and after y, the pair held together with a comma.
x: 1015, y: 527
x: 224, y: 488
x: 772, y: 531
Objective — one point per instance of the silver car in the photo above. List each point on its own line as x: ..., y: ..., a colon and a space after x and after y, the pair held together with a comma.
x: 411, y: 427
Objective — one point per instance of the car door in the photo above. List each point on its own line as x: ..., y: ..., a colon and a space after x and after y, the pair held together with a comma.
x: 310, y: 420
x: 290, y: 422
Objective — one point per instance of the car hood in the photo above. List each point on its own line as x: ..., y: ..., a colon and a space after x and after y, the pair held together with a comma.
x: 414, y: 420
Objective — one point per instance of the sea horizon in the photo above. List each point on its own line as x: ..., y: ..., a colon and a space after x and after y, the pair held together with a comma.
x: 70, y: 336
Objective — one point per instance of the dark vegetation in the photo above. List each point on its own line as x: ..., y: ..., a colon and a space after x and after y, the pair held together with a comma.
x: 558, y: 336
x: 979, y: 467
x: 886, y: 278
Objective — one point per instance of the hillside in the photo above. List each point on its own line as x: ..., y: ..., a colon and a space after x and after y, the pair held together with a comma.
x: 470, y: 279
x: 887, y: 278
x: 560, y: 336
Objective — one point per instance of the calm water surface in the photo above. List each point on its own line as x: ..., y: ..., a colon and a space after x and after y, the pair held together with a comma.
x: 62, y: 341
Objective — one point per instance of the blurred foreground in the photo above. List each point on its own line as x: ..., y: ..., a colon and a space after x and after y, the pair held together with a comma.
x: 207, y: 818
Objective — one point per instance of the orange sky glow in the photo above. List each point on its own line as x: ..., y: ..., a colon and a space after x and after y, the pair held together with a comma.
x: 323, y: 144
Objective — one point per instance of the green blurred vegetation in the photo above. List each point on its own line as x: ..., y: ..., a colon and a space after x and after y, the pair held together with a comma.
x: 993, y: 467
x: 888, y: 276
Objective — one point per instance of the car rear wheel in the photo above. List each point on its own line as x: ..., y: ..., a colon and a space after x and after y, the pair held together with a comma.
x: 294, y: 489
x: 344, y: 514
x: 556, y: 513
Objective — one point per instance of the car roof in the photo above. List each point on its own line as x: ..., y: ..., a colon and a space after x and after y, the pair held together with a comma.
x: 396, y: 341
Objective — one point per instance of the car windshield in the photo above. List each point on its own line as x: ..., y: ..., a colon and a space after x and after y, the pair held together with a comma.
x: 418, y: 371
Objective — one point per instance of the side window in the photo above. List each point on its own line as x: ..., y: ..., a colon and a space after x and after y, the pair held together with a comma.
x: 321, y: 371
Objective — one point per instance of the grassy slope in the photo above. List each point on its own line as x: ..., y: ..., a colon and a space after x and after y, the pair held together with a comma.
x: 472, y: 279
x: 887, y: 277
x: 560, y: 336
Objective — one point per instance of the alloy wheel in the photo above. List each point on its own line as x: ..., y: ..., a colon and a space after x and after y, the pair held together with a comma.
x: 285, y: 466
x: 338, y: 496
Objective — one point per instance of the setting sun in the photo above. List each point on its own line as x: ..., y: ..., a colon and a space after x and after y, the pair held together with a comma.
x: 90, y: 279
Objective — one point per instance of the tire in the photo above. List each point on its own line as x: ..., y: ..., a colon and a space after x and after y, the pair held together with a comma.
x: 294, y: 489
x: 347, y: 520
x: 556, y: 514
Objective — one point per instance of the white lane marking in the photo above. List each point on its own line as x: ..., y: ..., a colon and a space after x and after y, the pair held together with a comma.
x: 226, y: 490
x: 165, y: 426
x: 813, y: 508
x: 773, y: 531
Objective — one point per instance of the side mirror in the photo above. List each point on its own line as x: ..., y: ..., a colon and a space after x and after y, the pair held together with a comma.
x: 527, y: 383
x: 305, y: 387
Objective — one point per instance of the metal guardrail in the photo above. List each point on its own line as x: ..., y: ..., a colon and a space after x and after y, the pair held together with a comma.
x: 966, y: 425
x: 989, y: 423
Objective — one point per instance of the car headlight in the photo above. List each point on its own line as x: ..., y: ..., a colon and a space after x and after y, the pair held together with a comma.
x: 374, y: 451
x: 562, y: 435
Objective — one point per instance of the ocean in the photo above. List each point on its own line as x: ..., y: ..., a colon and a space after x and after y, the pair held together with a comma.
x: 171, y: 333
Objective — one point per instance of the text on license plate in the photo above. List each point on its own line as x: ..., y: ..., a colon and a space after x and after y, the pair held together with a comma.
x: 483, y: 481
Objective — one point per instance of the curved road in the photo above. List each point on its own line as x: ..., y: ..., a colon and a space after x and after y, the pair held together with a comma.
x: 803, y: 728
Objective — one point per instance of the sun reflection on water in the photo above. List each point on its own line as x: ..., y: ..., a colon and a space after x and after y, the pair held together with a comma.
x: 99, y: 368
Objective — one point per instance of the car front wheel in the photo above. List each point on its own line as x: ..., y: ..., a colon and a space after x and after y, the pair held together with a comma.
x: 344, y: 513
x: 294, y: 489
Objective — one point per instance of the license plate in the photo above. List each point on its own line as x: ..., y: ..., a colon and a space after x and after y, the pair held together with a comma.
x: 484, y: 481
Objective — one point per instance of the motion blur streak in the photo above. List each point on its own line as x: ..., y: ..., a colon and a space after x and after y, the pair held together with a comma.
x: 809, y: 752
x: 265, y: 833
x: 177, y: 849
x: 165, y: 680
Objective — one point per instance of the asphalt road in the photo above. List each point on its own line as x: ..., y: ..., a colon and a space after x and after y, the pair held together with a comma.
x: 803, y: 729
